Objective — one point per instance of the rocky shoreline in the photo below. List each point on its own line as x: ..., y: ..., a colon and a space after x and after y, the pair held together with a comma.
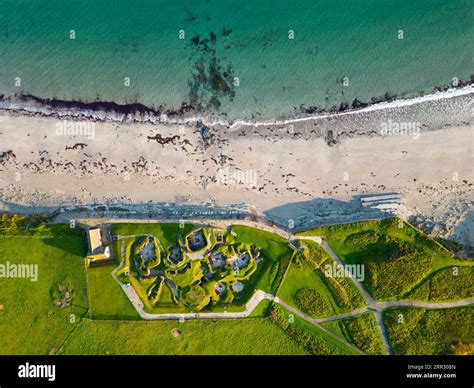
x: 188, y: 114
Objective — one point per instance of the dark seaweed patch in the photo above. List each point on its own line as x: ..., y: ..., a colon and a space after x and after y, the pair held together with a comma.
x: 195, y: 39
x: 211, y: 81
x: 226, y: 31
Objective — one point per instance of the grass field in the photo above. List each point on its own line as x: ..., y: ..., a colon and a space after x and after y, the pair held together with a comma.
x: 27, y: 307
x: 300, y: 280
x: 107, y: 300
x: 30, y: 323
x: 276, y: 252
x: 166, y: 233
x: 396, y: 256
x: 251, y: 336
x: 422, y: 331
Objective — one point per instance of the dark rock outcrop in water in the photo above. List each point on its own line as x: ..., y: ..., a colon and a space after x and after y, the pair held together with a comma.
x: 99, y: 106
x: 387, y: 97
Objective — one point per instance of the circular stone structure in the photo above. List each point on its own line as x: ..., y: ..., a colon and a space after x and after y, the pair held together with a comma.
x: 238, y: 286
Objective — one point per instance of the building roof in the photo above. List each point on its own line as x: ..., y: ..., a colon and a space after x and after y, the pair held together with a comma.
x: 96, y: 248
x: 94, y: 239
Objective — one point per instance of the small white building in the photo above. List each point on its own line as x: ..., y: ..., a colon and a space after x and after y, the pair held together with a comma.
x: 97, y: 249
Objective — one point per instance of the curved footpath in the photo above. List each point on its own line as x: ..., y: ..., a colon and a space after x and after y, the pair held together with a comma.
x: 259, y: 295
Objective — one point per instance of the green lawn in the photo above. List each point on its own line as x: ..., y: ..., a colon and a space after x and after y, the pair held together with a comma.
x: 31, y: 324
x: 101, y: 320
x: 396, y: 256
x: 262, y: 309
x: 423, y: 331
x: 303, y: 279
x: 29, y: 321
x: 251, y: 336
x: 107, y: 300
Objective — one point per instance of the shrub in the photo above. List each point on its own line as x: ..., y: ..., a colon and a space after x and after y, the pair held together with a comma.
x: 311, y: 302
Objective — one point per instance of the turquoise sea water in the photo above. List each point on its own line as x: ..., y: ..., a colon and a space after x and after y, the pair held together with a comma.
x: 224, y: 39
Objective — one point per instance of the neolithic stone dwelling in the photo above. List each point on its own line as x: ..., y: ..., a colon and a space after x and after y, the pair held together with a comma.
x: 175, y: 254
x: 217, y: 260
x: 240, y: 261
x: 196, y: 241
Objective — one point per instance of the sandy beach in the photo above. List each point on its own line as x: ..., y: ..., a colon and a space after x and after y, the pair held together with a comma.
x: 285, y: 172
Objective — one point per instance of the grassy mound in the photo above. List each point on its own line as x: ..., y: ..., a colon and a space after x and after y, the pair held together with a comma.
x: 195, y: 296
x: 396, y: 256
x: 311, y: 302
